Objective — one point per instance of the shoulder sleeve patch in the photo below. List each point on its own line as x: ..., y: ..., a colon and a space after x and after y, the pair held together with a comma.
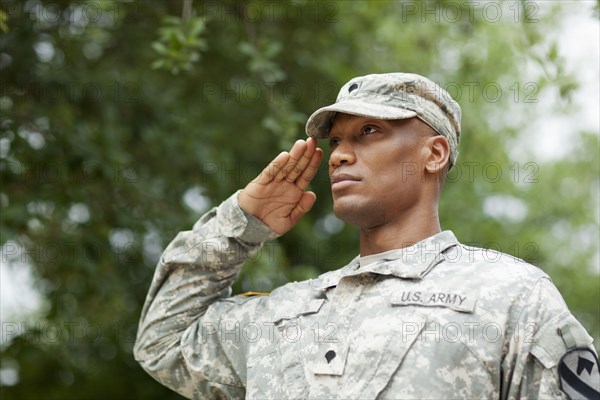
x: 579, y: 374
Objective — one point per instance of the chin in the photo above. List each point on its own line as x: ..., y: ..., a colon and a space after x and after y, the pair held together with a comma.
x: 360, y: 212
x: 353, y: 212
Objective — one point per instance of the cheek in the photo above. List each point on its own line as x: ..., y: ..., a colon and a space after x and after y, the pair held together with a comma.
x: 395, y: 168
x: 394, y: 181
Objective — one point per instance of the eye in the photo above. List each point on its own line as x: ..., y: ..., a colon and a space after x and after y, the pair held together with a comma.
x: 367, y: 130
x: 333, y: 142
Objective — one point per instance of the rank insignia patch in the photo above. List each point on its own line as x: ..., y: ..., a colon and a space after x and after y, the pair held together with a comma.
x: 579, y: 374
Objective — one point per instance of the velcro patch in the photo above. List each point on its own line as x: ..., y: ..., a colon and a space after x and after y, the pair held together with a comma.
x: 579, y: 374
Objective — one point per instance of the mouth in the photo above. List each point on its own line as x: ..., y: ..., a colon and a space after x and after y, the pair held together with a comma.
x: 341, y: 181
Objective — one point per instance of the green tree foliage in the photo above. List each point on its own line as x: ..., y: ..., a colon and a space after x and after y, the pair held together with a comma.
x: 122, y: 123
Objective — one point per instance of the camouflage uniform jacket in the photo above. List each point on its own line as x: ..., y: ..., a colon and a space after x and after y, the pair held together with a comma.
x: 434, y: 320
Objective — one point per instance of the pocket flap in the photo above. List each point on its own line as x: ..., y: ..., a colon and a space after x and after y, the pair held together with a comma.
x: 294, y: 310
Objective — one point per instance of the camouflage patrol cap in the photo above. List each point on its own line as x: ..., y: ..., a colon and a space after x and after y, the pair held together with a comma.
x: 393, y: 96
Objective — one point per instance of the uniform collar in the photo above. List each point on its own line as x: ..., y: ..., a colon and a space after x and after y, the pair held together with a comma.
x: 413, y: 262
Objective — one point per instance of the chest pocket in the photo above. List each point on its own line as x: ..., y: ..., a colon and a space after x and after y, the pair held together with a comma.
x: 277, y: 369
x: 366, y: 357
x: 377, y: 353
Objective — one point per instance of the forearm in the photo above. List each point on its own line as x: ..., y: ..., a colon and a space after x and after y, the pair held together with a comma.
x: 197, y: 269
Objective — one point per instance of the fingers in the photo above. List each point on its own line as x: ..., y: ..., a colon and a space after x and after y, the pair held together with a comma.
x: 271, y: 170
x: 299, y: 165
x: 298, y: 169
x: 311, y: 170
x: 296, y: 153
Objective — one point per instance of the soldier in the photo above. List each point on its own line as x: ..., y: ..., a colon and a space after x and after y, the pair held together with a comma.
x: 416, y: 314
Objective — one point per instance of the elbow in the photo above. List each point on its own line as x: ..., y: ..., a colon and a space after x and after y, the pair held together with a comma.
x: 145, y: 351
x: 139, y: 350
x: 153, y: 351
x: 163, y: 361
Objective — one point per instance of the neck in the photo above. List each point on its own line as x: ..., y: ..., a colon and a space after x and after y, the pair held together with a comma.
x: 403, y: 232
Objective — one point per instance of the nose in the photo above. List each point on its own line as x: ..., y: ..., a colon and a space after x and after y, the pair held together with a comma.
x: 342, y: 154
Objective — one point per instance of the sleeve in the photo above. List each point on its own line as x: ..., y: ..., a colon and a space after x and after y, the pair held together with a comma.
x: 545, y: 337
x: 195, y: 271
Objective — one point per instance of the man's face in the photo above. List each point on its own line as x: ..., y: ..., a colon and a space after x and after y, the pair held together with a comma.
x: 376, y: 168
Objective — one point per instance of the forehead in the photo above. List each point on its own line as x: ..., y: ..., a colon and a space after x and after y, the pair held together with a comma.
x: 340, y: 118
x: 342, y: 121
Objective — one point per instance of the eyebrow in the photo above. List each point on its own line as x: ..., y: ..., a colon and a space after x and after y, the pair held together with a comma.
x: 366, y: 121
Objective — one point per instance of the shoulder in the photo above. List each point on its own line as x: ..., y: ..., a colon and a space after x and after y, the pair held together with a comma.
x: 507, y: 287
x: 284, y: 302
x: 492, y: 265
x: 305, y: 297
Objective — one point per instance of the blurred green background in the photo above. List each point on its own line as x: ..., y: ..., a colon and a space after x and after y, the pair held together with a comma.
x: 122, y: 122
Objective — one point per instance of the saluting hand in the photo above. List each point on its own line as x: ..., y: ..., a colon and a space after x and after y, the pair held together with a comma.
x: 277, y: 195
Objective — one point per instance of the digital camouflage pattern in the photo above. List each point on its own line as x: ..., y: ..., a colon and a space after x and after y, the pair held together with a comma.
x: 434, y: 320
x: 396, y: 95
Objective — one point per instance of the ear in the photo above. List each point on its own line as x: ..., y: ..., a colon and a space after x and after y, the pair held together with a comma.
x: 438, y: 156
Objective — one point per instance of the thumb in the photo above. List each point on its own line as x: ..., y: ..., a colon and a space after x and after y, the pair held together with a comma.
x: 304, y: 205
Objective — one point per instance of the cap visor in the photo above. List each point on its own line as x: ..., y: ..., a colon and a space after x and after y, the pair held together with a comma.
x: 319, y: 122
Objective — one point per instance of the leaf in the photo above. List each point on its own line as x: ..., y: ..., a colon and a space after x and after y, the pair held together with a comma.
x: 160, y: 48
